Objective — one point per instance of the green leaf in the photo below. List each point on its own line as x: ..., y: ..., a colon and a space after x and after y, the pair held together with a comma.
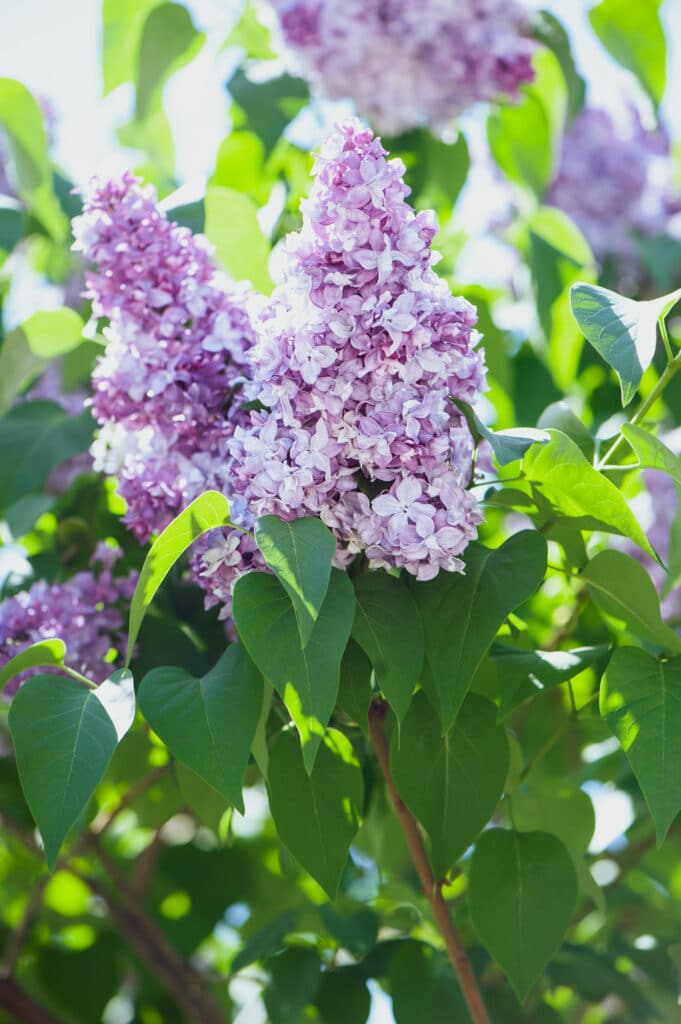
x: 306, y: 679
x: 388, y: 628
x: 641, y: 702
x: 634, y: 36
x: 316, y: 815
x: 436, y: 170
x: 233, y: 228
x: 576, y: 490
x: 122, y: 22
x: 22, y: 120
x: 621, y: 587
x: 300, y: 554
x: 63, y: 739
x: 623, y: 331
x: 19, y: 366
x: 51, y: 334
x: 424, y: 987
x: 343, y: 996
x: 34, y: 438
x: 524, y: 674
x: 266, y: 939
x: 207, y: 512
x: 117, y: 696
x: 168, y: 41
x: 560, y: 416
x: 11, y: 225
x: 207, y: 805
x: 525, y: 138
x: 522, y: 892
x: 549, y: 31
x: 462, y: 614
x: 461, y: 774
x: 40, y: 655
x: 508, y: 445
x: 295, y: 976
x: 652, y: 453
x: 354, y: 692
x: 209, y: 723
x: 269, y: 106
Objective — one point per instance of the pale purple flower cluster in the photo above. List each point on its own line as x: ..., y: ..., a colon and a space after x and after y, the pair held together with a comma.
x: 406, y: 64
x: 357, y: 355
x: 85, y: 612
x: 179, y: 334
x: 614, y: 181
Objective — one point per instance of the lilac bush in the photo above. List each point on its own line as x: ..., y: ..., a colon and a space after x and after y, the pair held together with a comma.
x: 87, y: 611
x: 407, y: 64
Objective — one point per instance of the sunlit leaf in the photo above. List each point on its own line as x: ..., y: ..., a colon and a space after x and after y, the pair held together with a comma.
x: 633, y: 34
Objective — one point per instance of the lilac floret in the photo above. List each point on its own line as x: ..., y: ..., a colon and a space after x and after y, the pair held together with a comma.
x: 407, y: 64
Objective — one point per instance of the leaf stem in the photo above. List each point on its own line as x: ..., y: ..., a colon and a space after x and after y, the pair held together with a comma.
x: 669, y: 371
x: 455, y: 951
x: 81, y: 679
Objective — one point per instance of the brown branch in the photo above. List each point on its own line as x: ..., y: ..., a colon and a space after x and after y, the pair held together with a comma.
x: 455, y: 951
x: 23, y: 1009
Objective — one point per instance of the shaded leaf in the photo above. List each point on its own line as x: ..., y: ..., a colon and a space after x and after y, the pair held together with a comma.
x: 354, y: 692
x: 524, y: 674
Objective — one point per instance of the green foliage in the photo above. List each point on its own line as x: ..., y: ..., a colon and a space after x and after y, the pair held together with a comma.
x: 522, y: 893
x: 462, y: 614
x: 44, y: 654
x: 316, y: 813
x: 54, y: 333
x: 463, y: 774
x: 633, y: 34
x: 209, y: 723
x: 641, y: 702
x: 233, y: 228
x: 524, y: 674
x: 168, y: 40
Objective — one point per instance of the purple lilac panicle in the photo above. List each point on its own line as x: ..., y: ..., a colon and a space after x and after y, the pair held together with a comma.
x: 613, y: 181
x: 176, y: 355
x: 406, y: 64
x: 84, y: 611
x: 357, y: 354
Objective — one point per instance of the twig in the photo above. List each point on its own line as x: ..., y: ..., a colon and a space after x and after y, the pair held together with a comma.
x: 455, y: 951
x: 23, y: 1009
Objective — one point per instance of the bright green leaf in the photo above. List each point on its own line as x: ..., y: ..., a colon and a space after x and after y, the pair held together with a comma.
x: 63, y: 739
x: 168, y: 41
x: 462, y: 614
x: 621, y: 587
x: 549, y: 31
x: 40, y: 655
x: 641, y: 702
x: 207, y: 512
x: 388, y: 628
x: 19, y: 366
x: 576, y: 490
x: 53, y: 333
x: 521, y: 894
x: 122, y: 22
x: 300, y: 554
x: 461, y: 774
x: 306, y: 679
x: 233, y: 228
x: 652, y: 453
x: 208, y: 723
x: 633, y: 34
x: 316, y: 815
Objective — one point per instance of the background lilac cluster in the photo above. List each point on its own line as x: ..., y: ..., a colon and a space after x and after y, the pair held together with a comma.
x: 351, y: 363
x: 406, y: 64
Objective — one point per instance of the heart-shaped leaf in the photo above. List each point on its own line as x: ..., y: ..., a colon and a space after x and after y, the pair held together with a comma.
x: 462, y: 614
x: 387, y: 626
x: 208, y: 723
x: 652, y: 453
x: 316, y: 814
x: 300, y: 554
x: 641, y: 702
x: 63, y: 739
x: 462, y: 773
x: 524, y: 674
x: 306, y: 679
x: 522, y: 892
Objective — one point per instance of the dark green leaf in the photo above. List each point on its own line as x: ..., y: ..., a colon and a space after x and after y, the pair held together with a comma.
x: 622, y: 331
x: 354, y: 692
x: 266, y: 939
x: 549, y: 31
x: 208, y: 806
x: 269, y: 106
x: 307, y: 680
x: 641, y: 702
x: 316, y: 815
x: 508, y: 445
x: 209, y: 723
x: 634, y: 35
x: 11, y: 226
x: 524, y: 674
x: 424, y: 988
x: 168, y: 41
x: 577, y: 490
x: 343, y: 997
x: 461, y: 774
x: 300, y: 554
x: 621, y: 587
x: 522, y: 893
x: 208, y: 511
x: 63, y: 739
x: 461, y: 614
x: 388, y: 628
x: 295, y: 976
x: 34, y: 438
x: 40, y: 655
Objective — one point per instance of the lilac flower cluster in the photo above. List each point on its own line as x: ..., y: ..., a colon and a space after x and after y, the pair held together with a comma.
x: 84, y: 611
x: 406, y: 64
x: 357, y: 355
x: 614, y: 182
x: 176, y: 356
